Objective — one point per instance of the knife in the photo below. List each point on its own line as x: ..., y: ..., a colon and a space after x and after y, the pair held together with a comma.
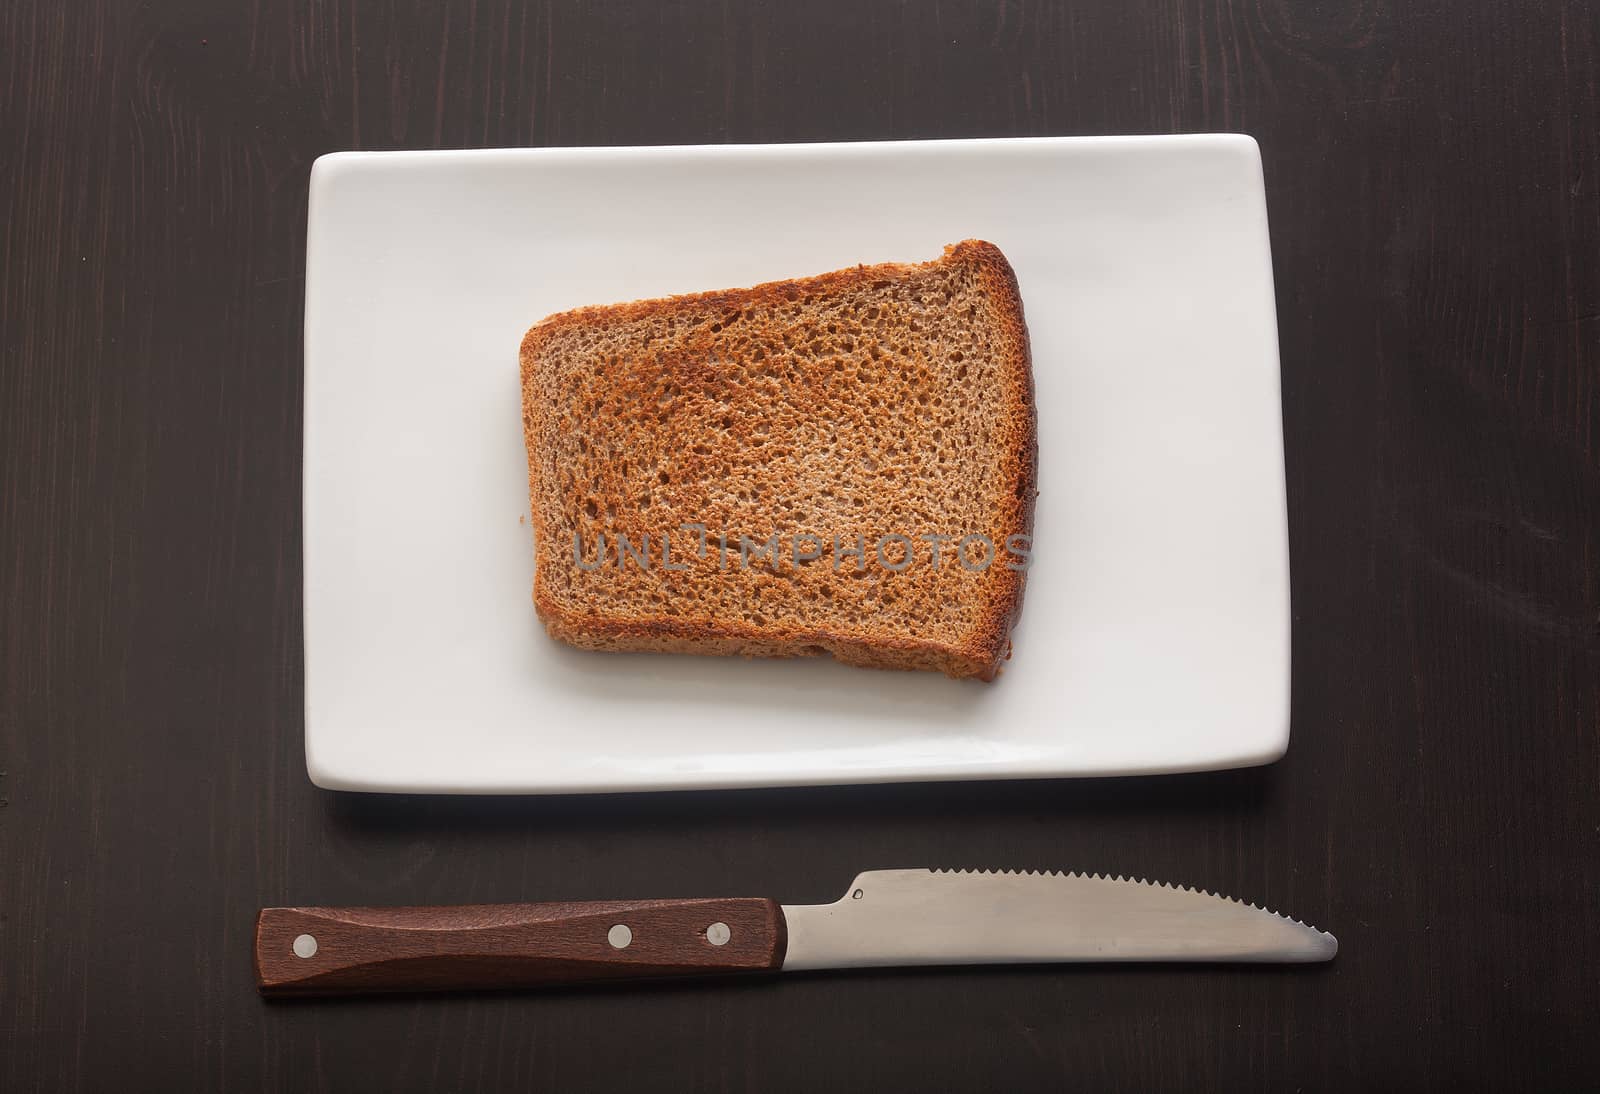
x: 886, y: 917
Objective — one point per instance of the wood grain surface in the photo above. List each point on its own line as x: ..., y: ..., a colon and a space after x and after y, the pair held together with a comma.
x: 489, y: 946
x: 1433, y: 181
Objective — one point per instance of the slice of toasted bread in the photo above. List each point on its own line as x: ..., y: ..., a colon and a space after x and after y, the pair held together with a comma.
x: 883, y: 409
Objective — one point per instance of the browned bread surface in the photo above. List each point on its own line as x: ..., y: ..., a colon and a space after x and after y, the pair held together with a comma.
x: 894, y: 399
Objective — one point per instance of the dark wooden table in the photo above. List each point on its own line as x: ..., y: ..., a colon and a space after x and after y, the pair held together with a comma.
x: 1432, y: 175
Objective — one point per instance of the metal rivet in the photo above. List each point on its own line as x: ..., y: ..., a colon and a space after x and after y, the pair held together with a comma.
x: 856, y: 895
x: 619, y: 936
x: 305, y: 946
x: 718, y: 934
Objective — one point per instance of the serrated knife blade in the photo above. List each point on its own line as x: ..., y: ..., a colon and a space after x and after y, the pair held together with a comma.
x: 954, y: 917
x: 885, y: 917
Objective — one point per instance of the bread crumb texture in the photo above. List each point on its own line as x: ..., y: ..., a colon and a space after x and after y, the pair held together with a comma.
x: 887, y: 409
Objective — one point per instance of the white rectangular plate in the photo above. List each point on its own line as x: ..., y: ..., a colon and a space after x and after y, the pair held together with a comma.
x: 1155, y: 633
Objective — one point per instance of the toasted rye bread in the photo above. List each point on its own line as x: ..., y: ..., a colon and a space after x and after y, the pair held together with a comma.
x: 875, y: 401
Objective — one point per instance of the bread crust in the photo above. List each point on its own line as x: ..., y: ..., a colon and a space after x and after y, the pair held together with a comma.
x: 980, y: 653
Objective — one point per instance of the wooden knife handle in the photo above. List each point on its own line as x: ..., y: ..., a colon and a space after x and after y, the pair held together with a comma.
x: 339, y: 951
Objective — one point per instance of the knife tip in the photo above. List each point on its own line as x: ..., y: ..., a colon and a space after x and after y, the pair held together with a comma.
x: 1319, y: 946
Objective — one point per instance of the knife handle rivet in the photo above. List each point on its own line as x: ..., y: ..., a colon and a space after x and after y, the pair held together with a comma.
x: 305, y: 946
x: 619, y: 936
x: 856, y: 895
x: 718, y: 934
